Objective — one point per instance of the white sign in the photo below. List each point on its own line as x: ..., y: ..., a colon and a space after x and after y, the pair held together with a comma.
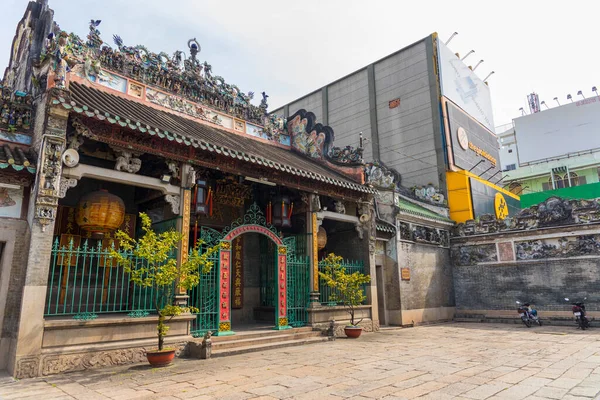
x: 464, y: 88
x: 570, y: 128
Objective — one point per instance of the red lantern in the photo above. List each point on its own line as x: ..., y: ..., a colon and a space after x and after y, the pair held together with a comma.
x: 281, y: 212
x: 201, y: 197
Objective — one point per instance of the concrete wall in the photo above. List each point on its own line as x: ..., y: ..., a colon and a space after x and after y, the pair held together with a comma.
x: 349, y: 111
x: 406, y: 138
x: 429, y: 294
x: 312, y: 102
x: 406, y: 133
x: 540, y: 266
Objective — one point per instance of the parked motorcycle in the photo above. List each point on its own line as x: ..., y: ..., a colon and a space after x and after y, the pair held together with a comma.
x: 528, y: 314
x: 581, y: 318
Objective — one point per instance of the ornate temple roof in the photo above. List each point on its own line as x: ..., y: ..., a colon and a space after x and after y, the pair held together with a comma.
x: 409, y: 207
x: 114, y: 109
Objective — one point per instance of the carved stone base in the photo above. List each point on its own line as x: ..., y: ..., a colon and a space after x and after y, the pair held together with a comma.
x: 50, y: 364
x: 27, y: 367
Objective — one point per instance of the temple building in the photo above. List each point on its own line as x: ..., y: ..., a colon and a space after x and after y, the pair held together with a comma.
x: 92, y: 134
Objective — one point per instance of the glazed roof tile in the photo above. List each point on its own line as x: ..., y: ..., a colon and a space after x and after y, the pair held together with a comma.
x: 415, y: 209
x: 16, y: 158
x: 144, y: 118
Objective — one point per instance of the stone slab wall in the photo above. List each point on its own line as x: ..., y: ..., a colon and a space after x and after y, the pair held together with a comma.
x: 429, y: 294
x: 14, y: 233
x: 541, y: 266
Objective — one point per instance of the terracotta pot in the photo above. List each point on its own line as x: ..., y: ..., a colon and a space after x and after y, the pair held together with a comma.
x: 160, y: 358
x: 353, y: 331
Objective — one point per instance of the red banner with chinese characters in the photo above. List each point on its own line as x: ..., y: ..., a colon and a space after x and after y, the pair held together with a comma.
x: 238, y: 274
x: 225, y: 261
x: 282, y: 285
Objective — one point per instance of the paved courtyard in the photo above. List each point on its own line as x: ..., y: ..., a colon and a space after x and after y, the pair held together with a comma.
x: 452, y: 361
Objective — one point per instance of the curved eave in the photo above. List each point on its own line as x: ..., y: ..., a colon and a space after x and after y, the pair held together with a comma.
x: 144, y: 128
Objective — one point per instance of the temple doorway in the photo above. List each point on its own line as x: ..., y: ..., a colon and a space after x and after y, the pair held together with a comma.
x: 253, y: 284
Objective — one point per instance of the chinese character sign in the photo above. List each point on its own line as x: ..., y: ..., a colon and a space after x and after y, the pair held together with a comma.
x: 238, y: 274
x: 225, y: 260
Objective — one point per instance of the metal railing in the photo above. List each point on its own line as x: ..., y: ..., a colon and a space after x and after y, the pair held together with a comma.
x: 84, y: 279
x: 326, y: 291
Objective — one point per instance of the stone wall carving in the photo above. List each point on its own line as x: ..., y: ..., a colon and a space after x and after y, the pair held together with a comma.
x: 584, y: 245
x: 423, y: 234
x: 485, y: 224
x: 340, y: 207
x: 66, y: 184
x: 27, y: 367
x: 174, y: 201
x: 471, y: 255
x: 49, y: 187
x: 127, y: 161
x: 555, y: 211
x: 52, y: 364
x: 405, y: 231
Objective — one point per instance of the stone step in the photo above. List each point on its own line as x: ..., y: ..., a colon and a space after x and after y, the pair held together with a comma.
x: 242, y: 341
x: 267, y: 346
x: 260, y: 334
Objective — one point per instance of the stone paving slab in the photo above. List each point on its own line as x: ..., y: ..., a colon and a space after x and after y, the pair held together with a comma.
x: 449, y: 361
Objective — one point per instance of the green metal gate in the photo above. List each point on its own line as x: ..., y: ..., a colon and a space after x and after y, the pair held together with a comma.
x: 205, y: 296
x: 298, y: 282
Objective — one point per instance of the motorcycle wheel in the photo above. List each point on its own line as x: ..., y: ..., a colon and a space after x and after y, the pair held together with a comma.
x: 581, y: 323
x: 526, y: 321
x: 539, y: 322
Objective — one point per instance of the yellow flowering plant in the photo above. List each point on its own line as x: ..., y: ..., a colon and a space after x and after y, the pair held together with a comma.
x: 159, y: 269
x: 347, y: 288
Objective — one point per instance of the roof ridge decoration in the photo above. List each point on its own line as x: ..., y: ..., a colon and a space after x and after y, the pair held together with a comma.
x: 554, y: 211
x: 15, y: 110
x: 378, y: 175
x: 176, y: 74
x: 315, y: 140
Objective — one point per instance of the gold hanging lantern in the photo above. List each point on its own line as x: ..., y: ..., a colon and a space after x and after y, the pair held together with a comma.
x: 321, y: 238
x: 100, y: 212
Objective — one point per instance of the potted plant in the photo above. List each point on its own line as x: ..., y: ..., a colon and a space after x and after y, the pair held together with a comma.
x: 158, y: 269
x: 346, y: 289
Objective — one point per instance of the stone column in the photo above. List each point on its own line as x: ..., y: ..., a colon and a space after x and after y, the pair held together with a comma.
x: 188, y: 177
x: 312, y: 228
x: 369, y: 236
x: 25, y: 360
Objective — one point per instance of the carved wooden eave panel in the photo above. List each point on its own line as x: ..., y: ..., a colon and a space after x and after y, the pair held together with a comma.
x: 224, y: 161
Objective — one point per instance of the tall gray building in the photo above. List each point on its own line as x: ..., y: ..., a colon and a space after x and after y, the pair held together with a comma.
x: 405, y: 136
x: 425, y: 114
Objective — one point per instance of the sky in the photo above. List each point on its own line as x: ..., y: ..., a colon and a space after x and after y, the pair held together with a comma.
x: 289, y: 49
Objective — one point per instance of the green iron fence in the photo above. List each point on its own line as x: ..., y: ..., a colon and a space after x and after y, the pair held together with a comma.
x: 205, y: 296
x: 84, y: 280
x: 325, y: 291
x: 298, y: 289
